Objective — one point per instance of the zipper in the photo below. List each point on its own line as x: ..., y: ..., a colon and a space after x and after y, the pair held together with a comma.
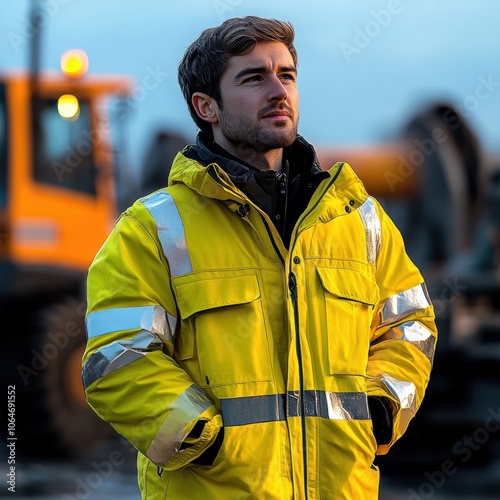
x: 281, y: 200
x: 292, y: 285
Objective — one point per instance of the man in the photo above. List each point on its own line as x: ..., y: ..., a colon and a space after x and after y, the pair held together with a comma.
x: 256, y: 329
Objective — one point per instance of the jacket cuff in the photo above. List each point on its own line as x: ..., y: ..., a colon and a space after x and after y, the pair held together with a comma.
x: 210, y: 454
x: 201, y: 438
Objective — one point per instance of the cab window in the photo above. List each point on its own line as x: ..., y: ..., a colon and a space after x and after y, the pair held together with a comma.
x: 63, y: 148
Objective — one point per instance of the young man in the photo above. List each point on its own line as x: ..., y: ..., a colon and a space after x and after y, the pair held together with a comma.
x: 256, y: 329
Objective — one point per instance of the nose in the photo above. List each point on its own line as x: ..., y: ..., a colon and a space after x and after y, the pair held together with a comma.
x: 277, y: 91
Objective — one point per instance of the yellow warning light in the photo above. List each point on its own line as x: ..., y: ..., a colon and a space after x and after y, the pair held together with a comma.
x: 68, y: 107
x: 74, y: 63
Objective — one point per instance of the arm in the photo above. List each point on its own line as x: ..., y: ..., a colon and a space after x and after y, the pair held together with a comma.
x: 403, y: 338
x: 129, y: 372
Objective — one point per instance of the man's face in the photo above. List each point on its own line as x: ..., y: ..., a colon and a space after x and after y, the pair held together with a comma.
x: 260, y: 101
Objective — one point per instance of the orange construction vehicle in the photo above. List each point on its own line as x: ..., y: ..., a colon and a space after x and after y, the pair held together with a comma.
x: 57, y: 205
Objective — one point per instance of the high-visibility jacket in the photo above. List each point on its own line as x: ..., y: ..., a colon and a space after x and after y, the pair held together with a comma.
x: 197, y: 312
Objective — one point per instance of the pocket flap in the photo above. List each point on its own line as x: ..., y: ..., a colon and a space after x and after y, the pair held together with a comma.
x: 349, y: 284
x: 205, y: 291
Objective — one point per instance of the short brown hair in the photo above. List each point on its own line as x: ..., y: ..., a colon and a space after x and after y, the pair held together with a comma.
x: 206, y: 59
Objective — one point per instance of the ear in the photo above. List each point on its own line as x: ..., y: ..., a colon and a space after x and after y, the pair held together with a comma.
x: 206, y: 107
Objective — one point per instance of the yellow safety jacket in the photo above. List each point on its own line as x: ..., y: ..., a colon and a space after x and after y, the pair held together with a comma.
x: 197, y: 312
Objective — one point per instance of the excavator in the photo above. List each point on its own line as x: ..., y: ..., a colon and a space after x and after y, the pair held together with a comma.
x: 57, y: 205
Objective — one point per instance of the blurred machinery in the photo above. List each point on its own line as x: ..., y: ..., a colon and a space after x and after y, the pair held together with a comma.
x: 450, y: 219
x: 57, y: 205
x: 443, y: 191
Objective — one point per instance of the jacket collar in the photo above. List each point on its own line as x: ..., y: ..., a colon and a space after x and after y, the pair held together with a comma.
x: 300, y: 155
x: 203, y: 170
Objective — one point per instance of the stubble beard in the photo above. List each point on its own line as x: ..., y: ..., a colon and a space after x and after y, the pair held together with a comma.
x: 245, y: 135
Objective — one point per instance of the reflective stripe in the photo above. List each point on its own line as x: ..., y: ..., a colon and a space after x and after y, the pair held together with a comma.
x: 401, y: 304
x: 373, y: 230
x: 170, y: 229
x: 117, y: 355
x: 271, y: 408
x: 414, y: 333
x: 150, y: 318
x: 405, y: 393
x: 334, y: 405
x: 172, y: 432
x: 253, y: 409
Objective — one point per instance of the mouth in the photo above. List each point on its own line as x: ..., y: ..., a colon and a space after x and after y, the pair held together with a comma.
x: 278, y: 113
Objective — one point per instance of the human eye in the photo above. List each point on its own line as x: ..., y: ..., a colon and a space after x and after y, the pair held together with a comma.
x: 252, y: 78
x: 288, y: 77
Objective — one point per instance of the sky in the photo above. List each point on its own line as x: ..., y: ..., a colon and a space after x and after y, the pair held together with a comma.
x: 365, y: 68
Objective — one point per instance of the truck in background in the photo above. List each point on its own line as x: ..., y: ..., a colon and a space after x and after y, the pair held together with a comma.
x: 57, y: 205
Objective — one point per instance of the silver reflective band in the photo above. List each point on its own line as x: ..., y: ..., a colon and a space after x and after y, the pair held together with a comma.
x: 414, y: 333
x: 405, y: 393
x: 151, y: 318
x: 117, y: 355
x: 170, y: 229
x: 253, y: 409
x: 332, y: 405
x: 172, y: 432
x: 401, y: 304
x: 373, y: 230
x: 273, y: 407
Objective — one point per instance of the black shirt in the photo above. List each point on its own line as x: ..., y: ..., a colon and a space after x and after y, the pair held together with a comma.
x: 283, y: 195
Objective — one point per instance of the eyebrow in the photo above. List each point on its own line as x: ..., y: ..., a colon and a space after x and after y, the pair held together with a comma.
x: 263, y: 69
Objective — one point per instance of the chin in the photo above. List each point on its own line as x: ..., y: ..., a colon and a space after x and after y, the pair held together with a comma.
x: 283, y: 138
x: 287, y: 139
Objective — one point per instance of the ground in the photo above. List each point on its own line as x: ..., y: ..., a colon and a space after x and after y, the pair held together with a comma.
x: 109, y: 473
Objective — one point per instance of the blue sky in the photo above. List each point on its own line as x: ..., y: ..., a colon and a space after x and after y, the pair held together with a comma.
x: 364, y: 67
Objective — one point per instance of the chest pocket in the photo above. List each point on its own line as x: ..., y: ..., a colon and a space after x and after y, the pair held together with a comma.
x: 350, y: 297
x: 224, y: 327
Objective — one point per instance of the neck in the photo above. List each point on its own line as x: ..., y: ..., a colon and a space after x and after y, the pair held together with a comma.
x: 262, y: 160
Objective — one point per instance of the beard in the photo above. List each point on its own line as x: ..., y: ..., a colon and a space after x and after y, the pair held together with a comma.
x: 247, y: 134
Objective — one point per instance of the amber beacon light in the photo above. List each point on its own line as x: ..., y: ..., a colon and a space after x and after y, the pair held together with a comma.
x: 74, y: 63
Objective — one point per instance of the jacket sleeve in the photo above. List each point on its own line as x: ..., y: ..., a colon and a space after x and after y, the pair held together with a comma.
x: 404, y: 333
x: 130, y: 376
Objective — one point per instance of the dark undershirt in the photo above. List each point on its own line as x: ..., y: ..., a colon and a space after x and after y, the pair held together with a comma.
x: 283, y: 195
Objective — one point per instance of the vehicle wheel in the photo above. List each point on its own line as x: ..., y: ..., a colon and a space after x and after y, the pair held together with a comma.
x: 44, y: 346
x: 77, y: 427
x: 443, y: 215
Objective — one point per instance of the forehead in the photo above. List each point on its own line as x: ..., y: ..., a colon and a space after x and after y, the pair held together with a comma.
x: 271, y: 55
